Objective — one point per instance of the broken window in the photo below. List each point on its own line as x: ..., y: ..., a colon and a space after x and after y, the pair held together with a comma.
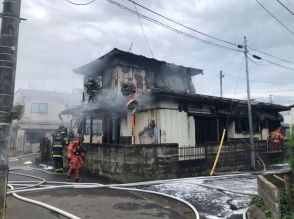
x: 96, y: 129
x: 242, y: 126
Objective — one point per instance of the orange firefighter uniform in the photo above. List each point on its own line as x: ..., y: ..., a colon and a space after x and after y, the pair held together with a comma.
x: 76, y: 157
x: 277, y: 138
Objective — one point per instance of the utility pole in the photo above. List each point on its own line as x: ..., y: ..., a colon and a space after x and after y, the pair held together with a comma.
x: 8, y: 56
x: 221, y: 82
x: 271, y: 99
x: 249, y: 107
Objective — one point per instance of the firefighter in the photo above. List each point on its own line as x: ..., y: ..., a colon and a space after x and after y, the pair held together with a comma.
x: 277, y: 138
x: 76, y: 157
x: 57, y: 153
x: 70, y: 136
x: 63, y: 132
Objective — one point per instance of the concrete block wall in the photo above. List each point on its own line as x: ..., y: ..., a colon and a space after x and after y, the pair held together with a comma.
x: 254, y: 212
x: 270, y: 195
x: 142, y: 162
x: 130, y: 163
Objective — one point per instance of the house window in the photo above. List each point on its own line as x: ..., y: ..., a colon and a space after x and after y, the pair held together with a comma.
x: 39, y: 108
x: 97, y: 127
x: 242, y: 126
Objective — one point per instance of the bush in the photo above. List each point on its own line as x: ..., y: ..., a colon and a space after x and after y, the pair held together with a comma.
x: 291, y: 147
x: 286, y: 213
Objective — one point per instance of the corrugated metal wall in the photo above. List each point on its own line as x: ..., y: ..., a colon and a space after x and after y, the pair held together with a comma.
x: 174, y: 126
x: 143, y: 119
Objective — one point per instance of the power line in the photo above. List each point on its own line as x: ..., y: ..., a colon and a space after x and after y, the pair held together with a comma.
x: 277, y: 64
x: 207, y: 35
x: 144, y: 32
x: 176, y: 22
x: 267, y: 54
x: 275, y: 18
x: 74, y: 3
x: 290, y: 3
x: 271, y: 62
x: 152, y: 20
x: 267, y: 91
x: 234, y: 94
x: 285, y: 7
x: 254, y: 81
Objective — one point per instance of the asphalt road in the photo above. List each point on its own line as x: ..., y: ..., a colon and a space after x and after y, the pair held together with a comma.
x: 108, y: 203
x: 89, y: 203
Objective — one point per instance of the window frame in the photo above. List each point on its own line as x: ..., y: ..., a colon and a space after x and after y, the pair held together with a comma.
x: 39, y: 108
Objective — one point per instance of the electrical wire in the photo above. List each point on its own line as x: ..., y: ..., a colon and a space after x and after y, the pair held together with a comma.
x: 202, y: 33
x: 253, y: 61
x: 267, y: 54
x: 269, y: 61
x: 290, y: 3
x: 236, y: 85
x: 267, y: 91
x: 74, y: 3
x: 176, y: 22
x: 277, y: 64
x: 213, y: 77
x: 285, y: 7
x: 152, y: 20
x: 275, y: 18
x: 144, y: 32
x: 254, y: 81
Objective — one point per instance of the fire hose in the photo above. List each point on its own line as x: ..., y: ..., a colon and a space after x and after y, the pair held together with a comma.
x: 27, y: 186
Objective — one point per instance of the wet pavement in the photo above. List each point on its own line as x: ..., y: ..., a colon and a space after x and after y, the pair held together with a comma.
x: 89, y: 203
x: 209, y: 202
x: 201, y: 192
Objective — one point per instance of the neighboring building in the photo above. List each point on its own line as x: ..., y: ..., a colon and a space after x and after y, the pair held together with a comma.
x: 169, y: 109
x: 40, y: 117
x: 289, y: 118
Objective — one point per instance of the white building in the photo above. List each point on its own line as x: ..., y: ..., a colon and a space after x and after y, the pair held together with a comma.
x: 289, y: 118
x: 40, y: 117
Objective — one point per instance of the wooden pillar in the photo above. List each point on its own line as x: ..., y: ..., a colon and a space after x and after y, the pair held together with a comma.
x: 114, y: 129
x: 91, y: 129
x: 217, y: 128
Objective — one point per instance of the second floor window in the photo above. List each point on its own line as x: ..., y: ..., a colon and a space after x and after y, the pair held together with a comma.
x: 39, y: 108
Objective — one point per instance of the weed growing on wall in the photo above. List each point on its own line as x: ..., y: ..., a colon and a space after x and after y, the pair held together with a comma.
x: 258, y: 201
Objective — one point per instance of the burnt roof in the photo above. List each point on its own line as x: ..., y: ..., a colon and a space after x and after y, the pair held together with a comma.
x: 99, y: 64
x: 219, y: 100
x: 118, y: 102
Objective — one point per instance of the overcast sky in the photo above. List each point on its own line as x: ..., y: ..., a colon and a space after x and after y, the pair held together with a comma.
x: 58, y: 37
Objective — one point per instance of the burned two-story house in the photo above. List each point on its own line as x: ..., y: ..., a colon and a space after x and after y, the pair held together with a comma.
x: 168, y: 108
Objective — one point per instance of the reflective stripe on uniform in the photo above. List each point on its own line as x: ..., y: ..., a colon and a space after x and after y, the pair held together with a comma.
x: 56, y: 155
x: 57, y: 146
